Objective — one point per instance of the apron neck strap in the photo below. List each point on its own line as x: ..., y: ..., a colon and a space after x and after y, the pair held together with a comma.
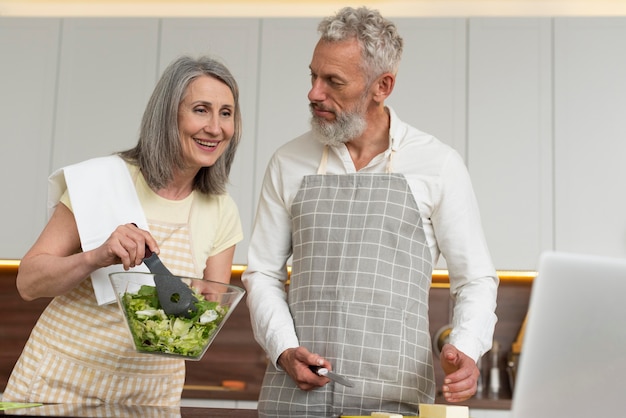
x: 389, y: 168
x: 323, y: 162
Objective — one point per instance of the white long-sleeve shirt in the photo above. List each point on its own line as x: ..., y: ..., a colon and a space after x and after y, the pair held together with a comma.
x: 442, y: 188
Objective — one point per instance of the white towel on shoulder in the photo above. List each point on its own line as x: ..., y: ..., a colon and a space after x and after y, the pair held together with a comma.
x: 103, y: 197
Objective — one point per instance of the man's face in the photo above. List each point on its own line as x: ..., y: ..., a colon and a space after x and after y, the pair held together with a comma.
x: 339, y: 95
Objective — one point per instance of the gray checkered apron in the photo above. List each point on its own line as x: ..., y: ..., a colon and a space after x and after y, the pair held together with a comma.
x: 359, y: 297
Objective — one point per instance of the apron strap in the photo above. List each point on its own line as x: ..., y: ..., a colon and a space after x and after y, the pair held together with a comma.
x: 389, y: 168
x: 323, y: 162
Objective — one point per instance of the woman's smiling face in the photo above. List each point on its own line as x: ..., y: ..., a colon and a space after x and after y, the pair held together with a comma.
x: 206, y: 121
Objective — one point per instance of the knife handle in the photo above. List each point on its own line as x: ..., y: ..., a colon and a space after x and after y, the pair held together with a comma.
x: 319, y: 370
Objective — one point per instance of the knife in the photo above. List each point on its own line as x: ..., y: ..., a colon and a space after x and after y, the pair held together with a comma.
x: 322, y: 371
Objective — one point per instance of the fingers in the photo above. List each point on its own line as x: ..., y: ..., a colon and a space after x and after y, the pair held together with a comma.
x: 462, y: 375
x: 461, y: 385
x: 460, y: 395
x: 133, y: 244
x: 151, y: 245
x: 297, y: 361
x: 311, y: 379
x: 303, y: 355
x: 450, y: 357
x: 128, y: 244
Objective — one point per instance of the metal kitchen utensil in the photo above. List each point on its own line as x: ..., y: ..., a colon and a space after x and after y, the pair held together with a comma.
x: 322, y: 371
x: 175, y: 296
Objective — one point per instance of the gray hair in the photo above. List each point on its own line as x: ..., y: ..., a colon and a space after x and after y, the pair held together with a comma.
x: 158, y: 151
x: 381, y: 45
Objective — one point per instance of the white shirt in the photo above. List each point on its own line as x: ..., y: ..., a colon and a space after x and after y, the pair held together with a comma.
x: 442, y: 188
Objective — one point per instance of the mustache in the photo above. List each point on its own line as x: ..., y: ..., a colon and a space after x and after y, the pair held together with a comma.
x: 317, y: 106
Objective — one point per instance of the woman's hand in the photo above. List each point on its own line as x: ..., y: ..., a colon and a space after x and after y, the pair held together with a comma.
x: 126, y: 246
x: 55, y: 264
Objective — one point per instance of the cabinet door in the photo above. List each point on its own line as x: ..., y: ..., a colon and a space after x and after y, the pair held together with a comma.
x: 431, y: 83
x: 236, y: 43
x: 510, y: 135
x: 284, y: 82
x: 430, y: 90
x: 590, y: 135
x: 107, y: 73
x: 29, y: 50
x: 490, y: 413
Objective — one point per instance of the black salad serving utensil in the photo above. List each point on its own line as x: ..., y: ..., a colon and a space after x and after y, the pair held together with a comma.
x: 175, y: 296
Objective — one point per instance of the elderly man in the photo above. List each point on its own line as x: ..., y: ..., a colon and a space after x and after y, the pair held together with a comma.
x: 365, y: 204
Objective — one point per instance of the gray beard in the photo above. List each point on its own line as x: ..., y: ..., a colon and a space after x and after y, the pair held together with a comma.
x: 347, y: 127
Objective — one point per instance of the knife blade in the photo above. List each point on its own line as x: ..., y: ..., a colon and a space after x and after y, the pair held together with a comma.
x: 323, y: 371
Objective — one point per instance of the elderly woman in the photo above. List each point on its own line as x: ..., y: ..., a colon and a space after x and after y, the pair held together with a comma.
x: 169, y: 195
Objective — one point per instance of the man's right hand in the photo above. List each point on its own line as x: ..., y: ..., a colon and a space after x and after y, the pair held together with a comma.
x: 296, y: 361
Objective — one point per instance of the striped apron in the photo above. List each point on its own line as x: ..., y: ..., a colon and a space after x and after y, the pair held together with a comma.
x: 359, y: 296
x: 81, y: 353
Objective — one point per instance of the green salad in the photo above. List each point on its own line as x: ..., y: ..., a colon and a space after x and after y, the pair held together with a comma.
x: 155, y: 331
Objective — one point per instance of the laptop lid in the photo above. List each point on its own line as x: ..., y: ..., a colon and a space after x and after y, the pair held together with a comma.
x: 573, y: 358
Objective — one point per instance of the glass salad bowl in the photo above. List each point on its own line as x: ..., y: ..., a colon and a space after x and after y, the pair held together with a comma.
x: 187, y: 336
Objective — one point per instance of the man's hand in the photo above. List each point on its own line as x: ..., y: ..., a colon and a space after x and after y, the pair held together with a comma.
x: 462, y: 374
x: 296, y: 362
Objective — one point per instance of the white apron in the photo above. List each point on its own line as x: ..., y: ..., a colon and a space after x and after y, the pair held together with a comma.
x: 359, y: 297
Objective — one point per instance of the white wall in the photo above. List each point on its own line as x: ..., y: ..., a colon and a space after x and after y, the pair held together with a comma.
x: 533, y: 104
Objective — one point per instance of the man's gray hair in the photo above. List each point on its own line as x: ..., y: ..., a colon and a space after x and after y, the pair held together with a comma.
x: 381, y: 45
x: 158, y: 152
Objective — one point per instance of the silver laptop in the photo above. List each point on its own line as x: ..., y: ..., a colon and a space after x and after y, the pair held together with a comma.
x: 573, y: 359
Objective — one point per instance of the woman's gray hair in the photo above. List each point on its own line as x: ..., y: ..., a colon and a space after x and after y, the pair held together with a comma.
x: 381, y: 45
x: 158, y: 152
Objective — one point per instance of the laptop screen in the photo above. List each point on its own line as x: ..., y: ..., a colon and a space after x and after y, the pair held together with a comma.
x: 573, y: 358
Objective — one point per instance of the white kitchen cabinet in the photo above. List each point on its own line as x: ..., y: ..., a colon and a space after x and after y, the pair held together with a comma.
x: 490, y: 413
x: 108, y: 68
x: 430, y: 90
x: 510, y: 135
x: 431, y: 85
x: 284, y: 82
x: 590, y: 135
x: 236, y: 43
x: 535, y: 105
x: 28, y: 53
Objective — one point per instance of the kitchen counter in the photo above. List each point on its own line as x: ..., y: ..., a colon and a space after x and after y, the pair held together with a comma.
x: 123, y: 411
